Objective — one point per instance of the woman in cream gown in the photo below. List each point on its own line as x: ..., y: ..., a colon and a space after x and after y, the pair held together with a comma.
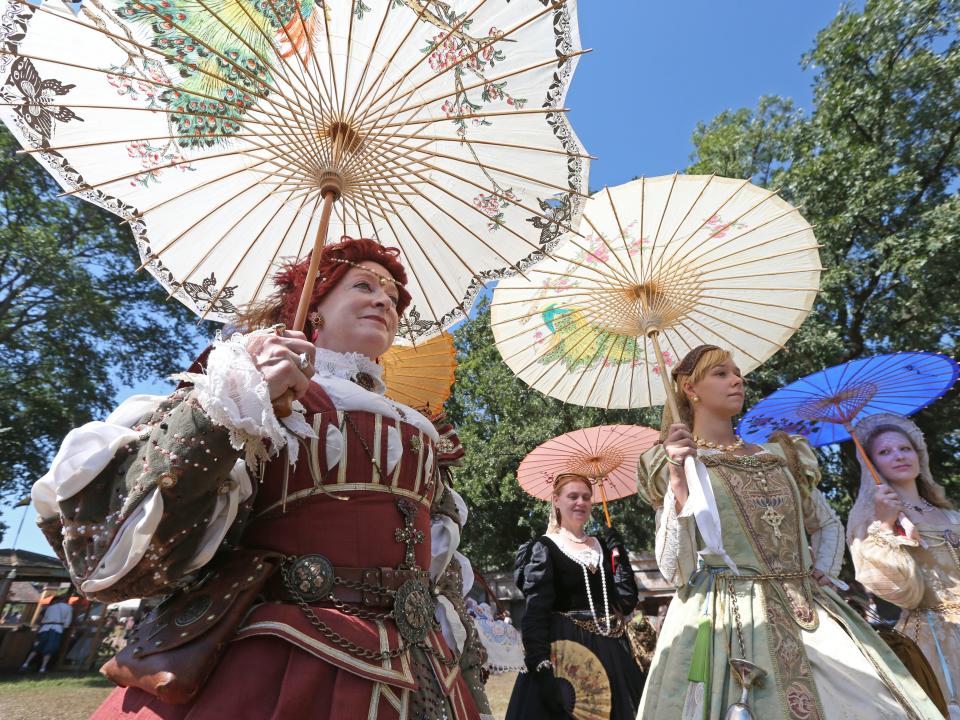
x: 737, y: 547
x: 919, y: 572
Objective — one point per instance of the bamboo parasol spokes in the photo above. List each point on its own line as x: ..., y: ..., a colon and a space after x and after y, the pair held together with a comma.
x: 824, y: 405
x: 230, y: 136
x: 606, y: 455
x: 667, y: 264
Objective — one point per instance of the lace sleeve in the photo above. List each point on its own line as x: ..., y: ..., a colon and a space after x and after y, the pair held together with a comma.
x: 235, y: 395
x: 676, y: 542
x: 676, y: 539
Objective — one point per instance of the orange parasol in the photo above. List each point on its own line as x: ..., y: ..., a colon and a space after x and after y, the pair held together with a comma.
x: 421, y: 376
x: 607, y: 455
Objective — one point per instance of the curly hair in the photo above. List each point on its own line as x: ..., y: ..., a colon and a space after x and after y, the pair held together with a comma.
x: 336, y: 260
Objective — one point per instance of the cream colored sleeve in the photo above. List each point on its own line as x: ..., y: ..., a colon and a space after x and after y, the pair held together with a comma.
x: 886, y: 567
x: 821, y: 521
x: 826, y: 533
x: 676, y: 542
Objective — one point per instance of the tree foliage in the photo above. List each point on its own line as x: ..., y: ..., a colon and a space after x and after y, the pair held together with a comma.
x: 874, y: 167
x: 74, y: 317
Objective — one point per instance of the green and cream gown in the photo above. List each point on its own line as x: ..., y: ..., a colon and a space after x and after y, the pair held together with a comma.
x: 823, y: 662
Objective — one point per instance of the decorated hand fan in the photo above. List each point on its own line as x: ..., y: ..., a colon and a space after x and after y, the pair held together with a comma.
x: 581, y: 672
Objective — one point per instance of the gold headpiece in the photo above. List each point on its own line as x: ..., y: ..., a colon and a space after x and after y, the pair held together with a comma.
x: 585, y: 479
x: 384, y: 279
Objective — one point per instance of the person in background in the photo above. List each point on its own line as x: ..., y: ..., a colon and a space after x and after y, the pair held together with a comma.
x: 919, y: 572
x: 56, y: 618
x: 576, y: 603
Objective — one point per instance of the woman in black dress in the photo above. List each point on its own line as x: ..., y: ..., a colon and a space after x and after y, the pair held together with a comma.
x: 576, y: 640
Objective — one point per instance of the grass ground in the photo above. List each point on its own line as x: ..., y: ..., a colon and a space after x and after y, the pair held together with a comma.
x: 60, y: 696
x: 68, y: 696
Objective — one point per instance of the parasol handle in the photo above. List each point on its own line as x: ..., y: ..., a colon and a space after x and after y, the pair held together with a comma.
x: 614, y: 554
x: 283, y: 405
x: 603, y: 497
x: 863, y: 454
x: 906, y: 523
x: 689, y: 464
x: 667, y: 385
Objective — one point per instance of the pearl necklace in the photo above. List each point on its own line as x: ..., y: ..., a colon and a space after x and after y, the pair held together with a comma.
x: 573, y: 538
x: 739, y: 443
x: 606, y: 600
x: 586, y: 581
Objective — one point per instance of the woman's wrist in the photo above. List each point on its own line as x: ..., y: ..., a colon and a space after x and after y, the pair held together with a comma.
x: 888, y: 525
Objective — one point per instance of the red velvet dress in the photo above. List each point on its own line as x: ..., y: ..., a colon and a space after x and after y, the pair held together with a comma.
x: 280, y: 665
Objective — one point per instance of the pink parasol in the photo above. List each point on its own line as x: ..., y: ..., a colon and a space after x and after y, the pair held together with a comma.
x: 607, y: 455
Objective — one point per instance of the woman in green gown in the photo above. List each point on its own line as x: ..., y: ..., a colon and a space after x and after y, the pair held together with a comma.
x: 752, y: 547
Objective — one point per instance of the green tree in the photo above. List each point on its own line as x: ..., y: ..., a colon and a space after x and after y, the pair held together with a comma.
x: 874, y: 167
x: 75, y: 320
x: 500, y: 419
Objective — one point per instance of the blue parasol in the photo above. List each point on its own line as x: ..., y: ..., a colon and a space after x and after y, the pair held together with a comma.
x: 823, y: 406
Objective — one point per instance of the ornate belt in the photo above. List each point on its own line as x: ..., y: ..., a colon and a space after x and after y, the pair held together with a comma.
x: 316, y: 581
x: 402, y: 595
x: 942, y: 608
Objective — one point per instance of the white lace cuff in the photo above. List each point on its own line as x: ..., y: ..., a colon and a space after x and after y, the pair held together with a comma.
x: 235, y: 395
x: 676, y: 540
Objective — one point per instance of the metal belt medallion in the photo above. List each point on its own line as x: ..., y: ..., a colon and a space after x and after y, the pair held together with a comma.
x: 195, y: 609
x: 413, y: 611
x: 312, y: 577
x: 952, y: 538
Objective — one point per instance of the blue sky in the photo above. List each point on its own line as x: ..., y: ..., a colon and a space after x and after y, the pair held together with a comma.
x: 657, y: 68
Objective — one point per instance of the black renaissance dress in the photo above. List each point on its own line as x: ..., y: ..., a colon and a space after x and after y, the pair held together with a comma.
x: 594, y: 667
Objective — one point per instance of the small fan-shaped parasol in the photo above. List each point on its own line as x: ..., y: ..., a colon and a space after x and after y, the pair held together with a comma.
x: 421, y: 375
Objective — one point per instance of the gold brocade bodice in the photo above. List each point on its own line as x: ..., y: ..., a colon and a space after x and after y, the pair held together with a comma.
x: 761, y: 514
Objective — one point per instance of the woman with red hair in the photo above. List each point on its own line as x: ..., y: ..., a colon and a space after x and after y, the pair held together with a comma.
x: 338, y: 519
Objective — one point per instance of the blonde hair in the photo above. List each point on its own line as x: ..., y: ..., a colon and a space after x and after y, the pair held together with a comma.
x: 692, y: 369
x: 558, y: 484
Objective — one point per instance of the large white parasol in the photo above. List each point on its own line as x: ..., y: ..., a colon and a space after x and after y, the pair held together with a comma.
x: 230, y: 134
x: 664, y: 263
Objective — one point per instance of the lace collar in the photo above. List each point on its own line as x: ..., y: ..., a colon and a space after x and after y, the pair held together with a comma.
x: 589, y: 556
x: 347, y: 366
